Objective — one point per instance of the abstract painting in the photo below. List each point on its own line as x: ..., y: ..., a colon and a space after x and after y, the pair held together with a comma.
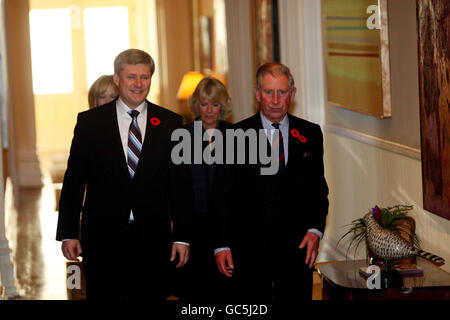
x: 433, y: 18
x: 357, y: 51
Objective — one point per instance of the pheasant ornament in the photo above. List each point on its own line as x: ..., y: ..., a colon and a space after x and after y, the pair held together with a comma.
x: 388, y: 245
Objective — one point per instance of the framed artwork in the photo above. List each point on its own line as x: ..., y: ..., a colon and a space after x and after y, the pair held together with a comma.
x: 357, y: 51
x: 434, y: 91
x: 266, y: 31
x: 206, y: 53
x: 209, y: 38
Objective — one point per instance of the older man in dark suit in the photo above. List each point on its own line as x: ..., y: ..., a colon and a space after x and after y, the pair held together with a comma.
x: 268, y: 236
x: 120, y: 155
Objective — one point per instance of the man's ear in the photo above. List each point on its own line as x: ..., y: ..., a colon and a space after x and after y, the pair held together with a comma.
x: 293, y: 92
x: 116, y: 79
x: 257, y: 94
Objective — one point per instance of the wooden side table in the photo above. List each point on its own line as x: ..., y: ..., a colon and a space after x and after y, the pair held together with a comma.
x: 342, y: 281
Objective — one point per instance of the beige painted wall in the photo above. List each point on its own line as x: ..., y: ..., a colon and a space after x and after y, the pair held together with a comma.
x: 361, y: 176
x: 378, y: 161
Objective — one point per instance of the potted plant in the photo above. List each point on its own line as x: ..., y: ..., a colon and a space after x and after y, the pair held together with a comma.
x: 393, y: 218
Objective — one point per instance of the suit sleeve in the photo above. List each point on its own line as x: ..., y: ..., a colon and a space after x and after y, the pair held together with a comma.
x: 181, y: 197
x: 222, y: 203
x: 319, y: 187
x: 74, y: 183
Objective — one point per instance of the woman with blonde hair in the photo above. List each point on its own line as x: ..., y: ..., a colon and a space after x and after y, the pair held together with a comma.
x: 102, y: 91
x: 200, y: 281
x: 210, y: 103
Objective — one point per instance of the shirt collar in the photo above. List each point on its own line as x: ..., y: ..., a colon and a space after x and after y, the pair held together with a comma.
x: 267, y: 124
x: 124, y: 109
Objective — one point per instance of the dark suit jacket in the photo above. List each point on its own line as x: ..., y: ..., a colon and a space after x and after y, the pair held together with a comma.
x: 203, y: 177
x: 202, y: 174
x: 159, y: 188
x: 243, y: 199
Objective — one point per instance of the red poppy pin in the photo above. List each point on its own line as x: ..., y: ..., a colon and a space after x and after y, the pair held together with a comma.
x: 155, y: 121
x: 298, y: 136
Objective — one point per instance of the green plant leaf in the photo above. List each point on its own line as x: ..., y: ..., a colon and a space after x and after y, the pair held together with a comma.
x: 392, y: 218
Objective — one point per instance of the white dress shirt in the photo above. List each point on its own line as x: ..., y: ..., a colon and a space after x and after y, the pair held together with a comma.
x: 124, y: 120
x: 284, y: 128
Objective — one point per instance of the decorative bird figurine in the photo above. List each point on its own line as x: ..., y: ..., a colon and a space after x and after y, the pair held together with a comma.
x: 388, y: 245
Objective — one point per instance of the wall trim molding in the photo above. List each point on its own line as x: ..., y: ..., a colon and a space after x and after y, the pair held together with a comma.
x: 374, y: 141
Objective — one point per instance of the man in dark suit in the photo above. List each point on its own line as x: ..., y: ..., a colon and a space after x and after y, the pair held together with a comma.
x: 268, y: 235
x: 120, y: 155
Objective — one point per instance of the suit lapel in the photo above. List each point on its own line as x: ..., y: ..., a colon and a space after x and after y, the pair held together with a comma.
x: 296, y: 147
x: 256, y: 123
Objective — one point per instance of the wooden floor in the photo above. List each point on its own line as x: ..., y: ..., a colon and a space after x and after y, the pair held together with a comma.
x: 40, y: 268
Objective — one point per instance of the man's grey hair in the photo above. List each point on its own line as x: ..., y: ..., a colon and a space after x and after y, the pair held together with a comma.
x: 133, y: 56
x: 275, y: 69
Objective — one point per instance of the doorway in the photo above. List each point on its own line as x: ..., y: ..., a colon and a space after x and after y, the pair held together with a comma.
x: 73, y: 42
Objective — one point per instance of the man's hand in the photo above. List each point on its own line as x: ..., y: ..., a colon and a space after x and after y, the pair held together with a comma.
x: 183, y: 252
x: 311, y: 240
x: 224, y: 262
x: 71, y: 249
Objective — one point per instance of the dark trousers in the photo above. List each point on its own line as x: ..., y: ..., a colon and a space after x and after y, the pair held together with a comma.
x: 199, y: 280
x: 281, y: 279
x: 270, y: 268
x: 128, y: 275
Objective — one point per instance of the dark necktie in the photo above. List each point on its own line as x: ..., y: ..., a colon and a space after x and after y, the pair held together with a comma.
x: 210, y: 170
x: 134, y: 143
x: 280, y: 143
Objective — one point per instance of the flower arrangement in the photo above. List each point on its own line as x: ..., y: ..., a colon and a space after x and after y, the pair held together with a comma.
x: 392, y: 218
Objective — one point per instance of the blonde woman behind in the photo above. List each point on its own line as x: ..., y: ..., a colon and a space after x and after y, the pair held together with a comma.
x: 200, y: 281
x: 102, y: 91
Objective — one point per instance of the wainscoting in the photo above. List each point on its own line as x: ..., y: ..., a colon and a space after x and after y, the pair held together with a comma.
x: 362, y: 172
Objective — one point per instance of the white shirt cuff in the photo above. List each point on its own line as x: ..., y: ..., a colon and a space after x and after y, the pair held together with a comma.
x: 180, y: 242
x: 216, y: 251
x: 316, y: 232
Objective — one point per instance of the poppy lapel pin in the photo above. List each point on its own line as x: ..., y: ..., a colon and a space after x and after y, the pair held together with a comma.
x: 297, y: 135
x: 155, y: 121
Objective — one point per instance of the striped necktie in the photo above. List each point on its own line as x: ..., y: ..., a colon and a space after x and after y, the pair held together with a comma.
x: 134, y: 143
x: 281, y: 161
